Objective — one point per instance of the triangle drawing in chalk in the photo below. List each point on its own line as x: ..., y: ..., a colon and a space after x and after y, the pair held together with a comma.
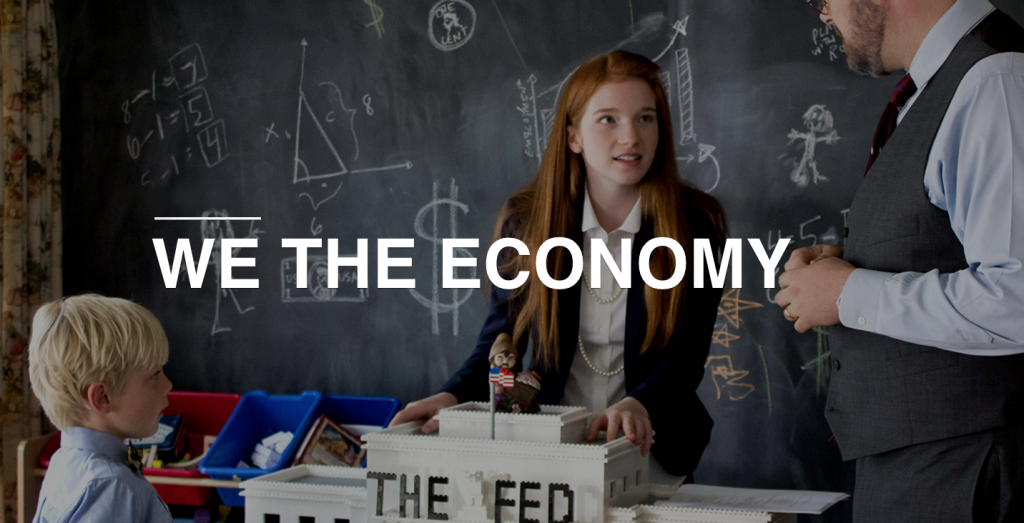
x: 313, y: 161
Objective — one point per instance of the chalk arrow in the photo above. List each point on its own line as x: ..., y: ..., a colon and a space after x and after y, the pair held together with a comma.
x: 680, y: 25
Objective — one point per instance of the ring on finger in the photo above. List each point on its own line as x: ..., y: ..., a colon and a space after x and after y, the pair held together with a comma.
x: 787, y: 315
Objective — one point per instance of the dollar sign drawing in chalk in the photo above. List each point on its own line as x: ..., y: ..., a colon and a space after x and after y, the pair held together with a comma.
x: 378, y: 16
x: 458, y: 296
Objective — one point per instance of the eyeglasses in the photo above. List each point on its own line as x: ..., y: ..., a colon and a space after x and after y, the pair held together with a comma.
x: 820, y: 6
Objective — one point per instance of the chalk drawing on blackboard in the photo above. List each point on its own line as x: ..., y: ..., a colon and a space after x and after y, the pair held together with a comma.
x: 337, y: 103
x: 826, y: 43
x: 527, y: 108
x: 767, y: 378
x: 270, y: 132
x: 188, y: 67
x: 450, y: 24
x: 172, y: 118
x: 830, y: 236
x: 819, y: 124
x: 378, y: 16
x: 404, y: 165
x: 317, y: 203
x: 684, y: 86
x: 212, y: 143
x: 333, y: 168
x: 726, y: 377
x: 217, y: 228
x: 135, y: 145
x: 732, y: 304
x: 458, y: 296
x: 322, y: 147
x: 194, y: 112
x: 317, y: 289
x: 174, y: 165
x: 537, y: 117
x: 708, y: 179
x: 509, y: 33
x: 819, y: 365
x: 196, y: 103
x: 677, y: 28
x: 140, y: 94
x: 722, y: 336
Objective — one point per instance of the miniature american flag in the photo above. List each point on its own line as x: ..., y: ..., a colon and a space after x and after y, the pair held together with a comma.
x: 503, y: 376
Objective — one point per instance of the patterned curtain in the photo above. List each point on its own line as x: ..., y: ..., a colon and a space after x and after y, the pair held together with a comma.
x: 30, y: 238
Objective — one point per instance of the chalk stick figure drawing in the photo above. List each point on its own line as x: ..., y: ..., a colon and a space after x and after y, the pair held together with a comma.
x: 819, y: 124
x: 217, y: 230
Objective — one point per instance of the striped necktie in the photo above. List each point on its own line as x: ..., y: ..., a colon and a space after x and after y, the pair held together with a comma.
x: 903, y: 91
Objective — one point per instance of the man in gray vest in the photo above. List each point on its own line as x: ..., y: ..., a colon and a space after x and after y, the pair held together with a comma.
x: 927, y: 298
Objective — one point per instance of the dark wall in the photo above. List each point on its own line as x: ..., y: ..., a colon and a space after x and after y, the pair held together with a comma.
x: 326, y: 124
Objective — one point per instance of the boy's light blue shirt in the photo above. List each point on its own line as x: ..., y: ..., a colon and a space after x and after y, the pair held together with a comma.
x: 89, y: 480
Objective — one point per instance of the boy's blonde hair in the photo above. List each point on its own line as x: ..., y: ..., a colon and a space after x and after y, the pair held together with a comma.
x: 80, y: 340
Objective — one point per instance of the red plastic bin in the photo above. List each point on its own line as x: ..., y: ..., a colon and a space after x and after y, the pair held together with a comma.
x: 203, y: 413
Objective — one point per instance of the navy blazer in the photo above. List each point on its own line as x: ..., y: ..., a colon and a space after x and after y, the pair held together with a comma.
x: 664, y: 381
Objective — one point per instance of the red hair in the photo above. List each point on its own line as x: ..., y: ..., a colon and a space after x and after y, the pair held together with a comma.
x: 545, y: 208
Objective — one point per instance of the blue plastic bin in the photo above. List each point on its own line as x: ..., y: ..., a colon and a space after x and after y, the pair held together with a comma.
x: 257, y: 416
x: 358, y: 410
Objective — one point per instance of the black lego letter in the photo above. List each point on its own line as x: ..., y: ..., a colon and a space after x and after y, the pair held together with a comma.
x: 569, y: 497
x: 381, y: 477
x: 500, y: 501
x: 440, y: 498
x: 414, y: 496
x: 524, y: 503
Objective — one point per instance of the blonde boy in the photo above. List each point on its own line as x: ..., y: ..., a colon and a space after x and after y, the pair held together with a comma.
x: 96, y: 367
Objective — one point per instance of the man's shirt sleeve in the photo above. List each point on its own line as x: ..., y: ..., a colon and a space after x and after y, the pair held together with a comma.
x: 976, y: 174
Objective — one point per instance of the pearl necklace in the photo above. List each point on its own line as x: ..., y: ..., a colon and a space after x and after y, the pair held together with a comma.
x: 597, y: 298
x: 591, y: 365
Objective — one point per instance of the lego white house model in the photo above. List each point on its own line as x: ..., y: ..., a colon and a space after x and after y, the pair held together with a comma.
x: 539, y: 468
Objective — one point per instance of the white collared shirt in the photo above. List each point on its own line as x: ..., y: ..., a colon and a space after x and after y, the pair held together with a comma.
x: 974, y: 173
x: 602, y: 326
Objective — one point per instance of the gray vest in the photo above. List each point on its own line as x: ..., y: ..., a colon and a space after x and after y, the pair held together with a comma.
x: 886, y: 394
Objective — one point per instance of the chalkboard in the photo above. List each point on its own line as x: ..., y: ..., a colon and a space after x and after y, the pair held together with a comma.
x: 416, y: 119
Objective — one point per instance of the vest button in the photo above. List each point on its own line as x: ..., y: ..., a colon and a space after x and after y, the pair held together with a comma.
x: 836, y: 365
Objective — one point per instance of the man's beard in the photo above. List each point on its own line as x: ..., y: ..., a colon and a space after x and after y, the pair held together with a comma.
x: 864, y: 53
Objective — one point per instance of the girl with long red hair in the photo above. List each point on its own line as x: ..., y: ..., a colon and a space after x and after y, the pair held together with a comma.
x: 633, y: 356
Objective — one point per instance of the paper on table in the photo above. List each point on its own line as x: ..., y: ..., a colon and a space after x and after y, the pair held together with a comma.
x: 728, y: 498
